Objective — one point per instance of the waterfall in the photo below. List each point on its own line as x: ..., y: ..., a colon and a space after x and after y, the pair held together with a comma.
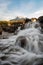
x: 25, y: 48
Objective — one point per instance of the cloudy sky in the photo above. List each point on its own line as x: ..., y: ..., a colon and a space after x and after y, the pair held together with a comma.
x: 9, y: 9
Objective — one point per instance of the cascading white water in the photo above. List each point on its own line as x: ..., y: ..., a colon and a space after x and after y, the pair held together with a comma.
x: 25, y: 48
x: 30, y: 39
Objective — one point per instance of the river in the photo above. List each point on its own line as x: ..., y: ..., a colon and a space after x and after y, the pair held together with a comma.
x: 25, y: 48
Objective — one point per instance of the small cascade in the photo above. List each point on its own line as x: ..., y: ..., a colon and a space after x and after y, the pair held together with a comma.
x: 25, y: 48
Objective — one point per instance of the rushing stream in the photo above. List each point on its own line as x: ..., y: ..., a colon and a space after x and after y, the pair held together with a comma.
x: 25, y: 48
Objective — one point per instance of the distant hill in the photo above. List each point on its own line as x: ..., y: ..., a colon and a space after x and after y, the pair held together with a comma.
x: 17, y: 18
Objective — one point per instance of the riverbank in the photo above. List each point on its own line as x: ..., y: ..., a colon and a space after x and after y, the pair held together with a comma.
x: 5, y: 35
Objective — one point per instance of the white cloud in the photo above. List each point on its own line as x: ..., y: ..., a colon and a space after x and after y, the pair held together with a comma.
x: 5, y: 13
x: 36, y: 14
x: 3, y: 8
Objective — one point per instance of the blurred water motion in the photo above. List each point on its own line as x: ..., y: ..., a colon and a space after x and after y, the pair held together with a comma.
x: 25, y: 48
